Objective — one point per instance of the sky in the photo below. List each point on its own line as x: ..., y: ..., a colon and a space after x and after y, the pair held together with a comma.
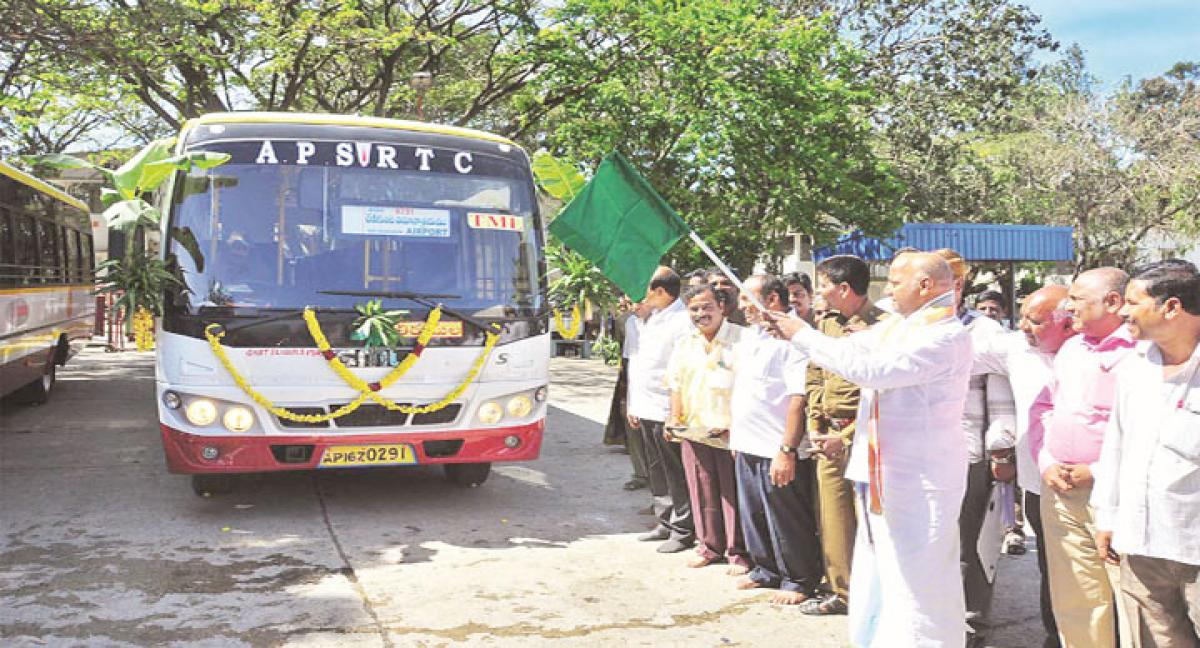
x: 1120, y: 38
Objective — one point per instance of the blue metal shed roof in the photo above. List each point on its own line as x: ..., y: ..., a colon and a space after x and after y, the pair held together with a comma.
x: 976, y: 242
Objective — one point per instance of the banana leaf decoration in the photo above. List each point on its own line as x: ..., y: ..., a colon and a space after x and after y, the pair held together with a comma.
x: 558, y: 178
x: 375, y: 326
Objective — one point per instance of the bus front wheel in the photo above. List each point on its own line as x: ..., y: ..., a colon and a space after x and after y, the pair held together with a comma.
x: 468, y: 475
x: 209, y: 485
x: 38, y: 391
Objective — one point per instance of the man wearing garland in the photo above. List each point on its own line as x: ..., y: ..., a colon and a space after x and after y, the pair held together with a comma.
x: 908, y: 458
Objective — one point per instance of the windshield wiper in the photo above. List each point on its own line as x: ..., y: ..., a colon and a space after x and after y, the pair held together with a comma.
x: 390, y: 294
x: 425, y: 299
x: 260, y: 319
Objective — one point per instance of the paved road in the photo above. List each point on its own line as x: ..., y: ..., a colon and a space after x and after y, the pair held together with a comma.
x: 100, y: 546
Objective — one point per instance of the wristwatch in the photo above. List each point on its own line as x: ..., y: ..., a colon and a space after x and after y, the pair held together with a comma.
x: 787, y: 449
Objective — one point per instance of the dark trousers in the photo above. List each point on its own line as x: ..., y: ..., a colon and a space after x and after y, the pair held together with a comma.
x: 636, y: 446
x: 713, y: 487
x: 976, y: 587
x: 668, y: 485
x: 617, y: 430
x: 1033, y: 515
x: 779, y: 524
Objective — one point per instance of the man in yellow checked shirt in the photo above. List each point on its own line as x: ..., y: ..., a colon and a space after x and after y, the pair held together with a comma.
x: 700, y: 378
x: 908, y: 458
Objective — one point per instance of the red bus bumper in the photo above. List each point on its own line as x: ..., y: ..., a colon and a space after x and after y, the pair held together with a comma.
x: 243, y: 454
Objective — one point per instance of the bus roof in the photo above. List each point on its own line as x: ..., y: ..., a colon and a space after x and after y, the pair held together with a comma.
x: 342, y: 120
x: 42, y: 186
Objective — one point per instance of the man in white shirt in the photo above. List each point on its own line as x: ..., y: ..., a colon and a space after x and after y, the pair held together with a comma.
x: 774, y: 473
x: 1147, y: 491
x: 650, y: 404
x: 908, y: 457
x: 1027, y: 358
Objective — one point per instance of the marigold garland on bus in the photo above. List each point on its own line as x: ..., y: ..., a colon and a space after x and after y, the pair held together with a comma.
x: 372, y: 389
x: 214, y: 335
x: 366, y: 390
x: 576, y: 323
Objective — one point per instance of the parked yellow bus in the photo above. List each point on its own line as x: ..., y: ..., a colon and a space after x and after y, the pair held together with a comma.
x: 47, y: 283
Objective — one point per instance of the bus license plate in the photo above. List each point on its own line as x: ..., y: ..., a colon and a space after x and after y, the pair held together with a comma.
x: 368, y: 455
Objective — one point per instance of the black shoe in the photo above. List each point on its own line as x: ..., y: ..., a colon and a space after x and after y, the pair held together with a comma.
x: 674, y: 546
x: 655, y: 535
x: 637, y: 483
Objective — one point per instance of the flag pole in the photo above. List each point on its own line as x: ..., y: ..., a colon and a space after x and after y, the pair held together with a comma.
x: 725, y: 269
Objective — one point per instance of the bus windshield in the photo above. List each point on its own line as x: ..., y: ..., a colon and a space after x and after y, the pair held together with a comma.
x: 277, y: 235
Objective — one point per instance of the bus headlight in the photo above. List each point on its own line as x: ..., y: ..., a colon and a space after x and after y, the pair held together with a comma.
x: 201, y: 412
x: 519, y: 406
x: 490, y: 412
x: 238, y: 419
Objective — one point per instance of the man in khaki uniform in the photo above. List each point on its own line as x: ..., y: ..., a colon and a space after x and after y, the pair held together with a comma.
x: 842, y: 281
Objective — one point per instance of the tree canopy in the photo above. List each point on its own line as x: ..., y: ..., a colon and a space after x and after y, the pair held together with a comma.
x: 754, y: 118
x: 1118, y: 168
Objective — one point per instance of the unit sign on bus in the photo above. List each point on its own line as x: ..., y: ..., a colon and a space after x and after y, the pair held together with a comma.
x: 495, y: 221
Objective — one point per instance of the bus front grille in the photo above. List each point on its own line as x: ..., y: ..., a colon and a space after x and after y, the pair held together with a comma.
x: 307, y: 411
x: 371, y: 416
x: 374, y: 416
x: 445, y: 415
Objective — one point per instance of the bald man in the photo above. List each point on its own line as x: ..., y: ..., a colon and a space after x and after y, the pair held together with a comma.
x: 908, y: 459
x: 989, y: 411
x: 1027, y: 358
x: 1066, y: 431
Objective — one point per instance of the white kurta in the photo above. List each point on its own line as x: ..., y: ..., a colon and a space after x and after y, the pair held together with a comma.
x: 906, y: 585
x: 648, y: 396
x: 1029, y: 372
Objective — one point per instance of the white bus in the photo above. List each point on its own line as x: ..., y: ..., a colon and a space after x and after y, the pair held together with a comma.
x: 47, y: 283
x: 311, y: 217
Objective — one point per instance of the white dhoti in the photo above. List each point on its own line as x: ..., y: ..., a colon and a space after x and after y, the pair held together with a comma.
x: 905, y: 580
x: 904, y: 553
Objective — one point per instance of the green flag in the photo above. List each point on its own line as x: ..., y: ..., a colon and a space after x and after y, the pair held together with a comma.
x: 622, y: 225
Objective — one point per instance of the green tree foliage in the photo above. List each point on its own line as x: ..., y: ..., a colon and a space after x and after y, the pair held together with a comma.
x: 1119, y: 169
x: 750, y: 124
x: 941, y: 69
x: 48, y: 104
x: 183, y: 58
x: 755, y: 118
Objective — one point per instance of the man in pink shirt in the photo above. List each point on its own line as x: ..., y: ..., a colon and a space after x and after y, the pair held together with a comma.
x: 1066, y: 430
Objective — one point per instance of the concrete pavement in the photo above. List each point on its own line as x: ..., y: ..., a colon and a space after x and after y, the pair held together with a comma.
x: 100, y: 546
